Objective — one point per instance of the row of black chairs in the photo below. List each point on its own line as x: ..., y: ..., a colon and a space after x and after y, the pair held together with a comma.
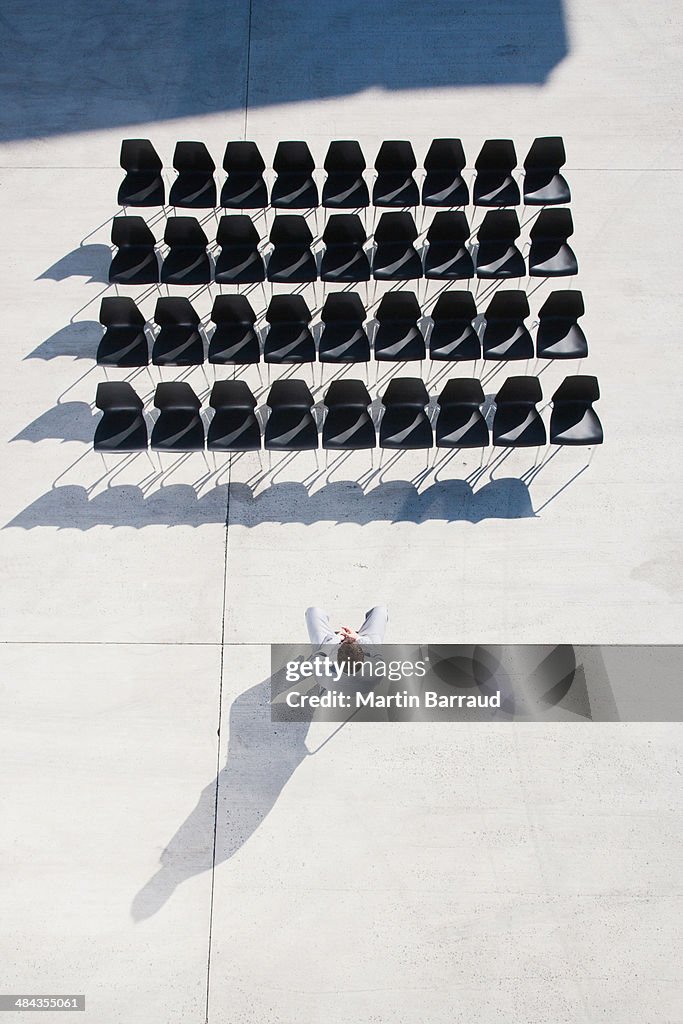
x: 345, y: 186
x: 346, y: 257
x: 348, y: 424
x: 400, y: 332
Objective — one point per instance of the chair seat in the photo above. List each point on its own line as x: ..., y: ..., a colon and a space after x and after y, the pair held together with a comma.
x: 461, y: 427
x: 504, y: 340
x: 518, y: 426
x: 345, y: 192
x: 186, y: 266
x: 121, y: 431
x: 444, y: 188
x: 405, y: 427
x: 289, y: 343
x: 344, y: 263
x: 291, y: 430
x: 242, y: 191
x: 454, y: 342
x: 193, y: 192
x: 396, y: 263
x: 543, y: 188
x: 142, y: 188
x: 134, y: 265
x: 178, y: 345
x: 493, y: 188
x: 395, y: 190
x: 499, y: 260
x: 444, y: 262
x: 344, y: 343
x: 395, y: 342
x: 571, y: 423
x: 178, y: 430
x: 556, y: 339
x: 551, y: 259
x: 234, y: 344
x: 123, y: 346
x: 292, y: 265
x: 240, y: 265
x: 349, y: 430
x: 294, y: 192
x: 234, y: 430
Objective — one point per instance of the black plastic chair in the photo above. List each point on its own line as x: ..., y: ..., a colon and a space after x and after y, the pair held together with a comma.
x: 461, y: 423
x: 573, y: 420
x: 447, y: 257
x: 506, y: 336
x: 187, y: 262
x: 348, y: 424
x: 453, y: 338
x: 405, y: 423
x: 143, y: 184
x: 179, y: 427
x: 294, y: 187
x: 345, y: 187
x: 234, y: 427
x: 344, y: 258
x: 444, y: 184
x: 122, y: 427
x: 395, y: 184
x: 517, y: 422
x: 550, y: 254
x: 124, y: 342
x: 498, y: 257
x: 289, y: 338
x: 395, y: 257
x: 239, y: 261
x: 178, y: 342
x: 290, y: 426
x: 136, y: 260
x: 544, y: 185
x: 493, y: 183
x: 398, y: 336
x: 194, y: 188
x: 291, y: 261
x: 245, y: 187
x: 559, y: 335
x: 343, y: 338
x: 234, y: 340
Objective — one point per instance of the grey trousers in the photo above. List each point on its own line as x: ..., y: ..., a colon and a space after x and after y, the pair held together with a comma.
x: 371, y: 632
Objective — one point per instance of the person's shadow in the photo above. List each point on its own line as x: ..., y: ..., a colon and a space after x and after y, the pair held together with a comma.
x: 262, y: 757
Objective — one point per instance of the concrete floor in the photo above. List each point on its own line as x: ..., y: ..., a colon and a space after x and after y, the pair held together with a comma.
x: 437, y: 872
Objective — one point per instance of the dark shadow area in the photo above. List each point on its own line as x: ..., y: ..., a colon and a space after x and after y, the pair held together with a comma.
x: 261, y: 758
x: 80, y: 66
x: 70, y: 421
x: 79, y: 340
x: 90, y: 261
x: 69, y: 507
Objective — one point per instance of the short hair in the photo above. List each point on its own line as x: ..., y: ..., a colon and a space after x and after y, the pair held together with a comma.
x: 350, y: 654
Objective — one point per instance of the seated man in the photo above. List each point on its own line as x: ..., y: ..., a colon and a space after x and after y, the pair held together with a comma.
x: 346, y: 643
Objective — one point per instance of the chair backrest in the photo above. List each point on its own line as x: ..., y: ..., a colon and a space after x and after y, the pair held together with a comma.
x: 193, y: 156
x: 499, y: 225
x: 546, y: 153
x: 347, y: 394
x: 343, y: 306
x: 400, y: 305
x: 234, y: 309
x: 232, y: 394
x: 462, y: 391
x: 449, y: 226
x: 454, y: 305
x: 175, y: 309
x: 120, y: 311
x: 580, y: 388
x: 131, y: 231
x: 395, y: 155
x: 520, y: 391
x: 344, y: 229
x: 290, y: 229
x: 508, y: 304
x: 445, y: 155
x: 172, y: 395
x: 185, y: 231
x: 117, y: 395
x: 237, y: 229
x: 409, y: 391
x: 288, y: 309
x: 293, y: 156
x: 243, y: 157
x: 555, y: 224
x: 294, y: 394
x: 397, y: 226
x: 139, y: 155
x: 497, y: 155
x: 565, y: 303
x: 344, y: 155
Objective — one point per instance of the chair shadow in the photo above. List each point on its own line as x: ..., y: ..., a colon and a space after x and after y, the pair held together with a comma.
x: 91, y: 261
x: 69, y: 421
x: 261, y: 758
x: 79, y: 340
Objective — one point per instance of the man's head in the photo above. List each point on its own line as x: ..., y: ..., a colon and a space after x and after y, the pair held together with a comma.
x: 350, y: 654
